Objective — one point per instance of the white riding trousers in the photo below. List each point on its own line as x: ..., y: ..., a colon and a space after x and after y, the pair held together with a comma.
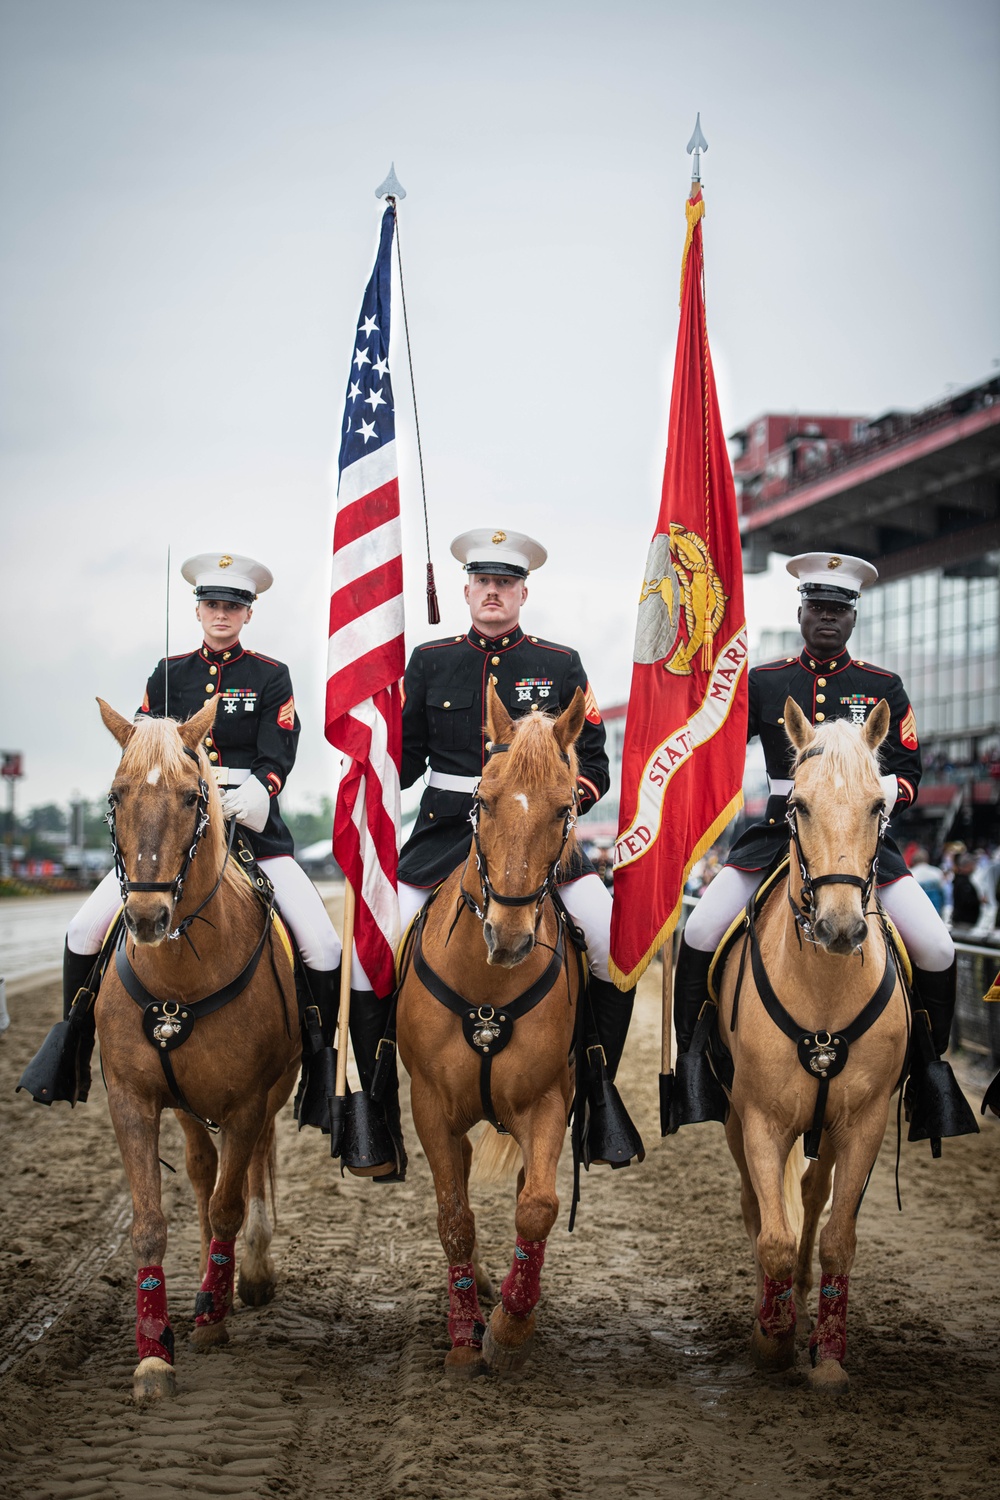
x: 927, y: 939
x: 300, y: 902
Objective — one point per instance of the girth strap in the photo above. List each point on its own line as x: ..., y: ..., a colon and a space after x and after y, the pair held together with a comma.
x: 821, y: 1053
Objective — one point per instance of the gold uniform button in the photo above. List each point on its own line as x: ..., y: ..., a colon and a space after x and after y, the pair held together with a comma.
x: 493, y: 679
x: 447, y: 703
x: 820, y: 718
x: 770, y: 820
x: 860, y: 663
x: 534, y: 640
x: 489, y: 744
x: 213, y: 755
x: 209, y: 687
x: 781, y: 720
x: 496, y: 661
x: 431, y: 816
x: 820, y: 697
x: 789, y: 658
x: 459, y: 638
x: 821, y: 682
x: 212, y: 671
x: 534, y: 708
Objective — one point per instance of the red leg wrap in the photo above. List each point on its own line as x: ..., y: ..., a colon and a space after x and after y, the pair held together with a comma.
x: 776, y: 1314
x: 153, y: 1333
x: 465, y: 1321
x: 216, y: 1295
x: 521, y: 1288
x: 829, y: 1339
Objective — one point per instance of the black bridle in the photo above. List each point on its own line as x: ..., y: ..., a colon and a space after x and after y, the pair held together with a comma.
x: 490, y: 893
x: 805, y: 915
x: 175, y: 886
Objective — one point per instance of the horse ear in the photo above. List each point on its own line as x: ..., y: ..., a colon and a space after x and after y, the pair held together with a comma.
x: 797, y: 726
x: 877, y: 725
x: 119, y: 726
x: 570, y: 721
x: 498, y: 721
x: 196, y: 728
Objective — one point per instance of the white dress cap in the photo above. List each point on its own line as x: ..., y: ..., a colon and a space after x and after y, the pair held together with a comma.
x: 831, y: 575
x: 227, y: 575
x: 498, y: 552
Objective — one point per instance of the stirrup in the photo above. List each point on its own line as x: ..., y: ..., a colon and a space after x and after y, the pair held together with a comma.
x: 937, y: 1107
x: 609, y: 1137
x: 60, y: 1069
x: 691, y: 1095
x: 366, y: 1147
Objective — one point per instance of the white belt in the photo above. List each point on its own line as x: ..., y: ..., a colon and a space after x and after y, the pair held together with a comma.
x: 446, y: 783
x: 780, y: 788
x: 230, y: 775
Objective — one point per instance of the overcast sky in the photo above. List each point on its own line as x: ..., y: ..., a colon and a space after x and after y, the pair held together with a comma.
x: 188, y: 222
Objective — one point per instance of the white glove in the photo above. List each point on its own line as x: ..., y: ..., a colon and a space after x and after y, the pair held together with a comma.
x: 249, y: 804
x: 890, y: 790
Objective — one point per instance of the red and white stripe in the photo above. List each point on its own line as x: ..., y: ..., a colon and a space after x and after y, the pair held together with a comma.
x: 365, y: 662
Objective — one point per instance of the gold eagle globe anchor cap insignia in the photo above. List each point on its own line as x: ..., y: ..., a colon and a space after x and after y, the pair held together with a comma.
x: 682, y: 602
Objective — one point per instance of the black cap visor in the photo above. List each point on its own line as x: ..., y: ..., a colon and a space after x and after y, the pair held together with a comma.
x: 496, y: 569
x: 232, y: 596
x: 829, y: 592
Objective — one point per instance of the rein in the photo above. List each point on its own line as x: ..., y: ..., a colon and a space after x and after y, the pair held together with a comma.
x: 805, y: 915
x: 175, y: 886
x: 489, y: 892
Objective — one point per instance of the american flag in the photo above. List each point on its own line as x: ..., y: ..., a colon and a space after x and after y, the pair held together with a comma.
x: 366, y: 657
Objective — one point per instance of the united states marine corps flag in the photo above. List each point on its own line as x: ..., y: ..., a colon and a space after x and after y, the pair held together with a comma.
x: 685, y: 735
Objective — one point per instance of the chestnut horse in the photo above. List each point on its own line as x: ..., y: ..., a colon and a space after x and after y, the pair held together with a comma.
x: 523, y: 821
x: 236, y: 1065
x: 825, y: 1067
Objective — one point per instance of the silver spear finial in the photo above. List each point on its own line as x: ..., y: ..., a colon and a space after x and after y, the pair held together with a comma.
x: 696, y: 145
x: 391, y: 187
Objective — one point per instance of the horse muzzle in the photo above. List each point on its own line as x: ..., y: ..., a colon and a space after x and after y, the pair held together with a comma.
x: 841, y: 937
x: 148, y: 923
x: 506, y: 951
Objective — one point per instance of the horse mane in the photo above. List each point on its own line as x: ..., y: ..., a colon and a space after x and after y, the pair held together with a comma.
x: 155, y: 744
x: 532, y: 747
x: 846, y: 759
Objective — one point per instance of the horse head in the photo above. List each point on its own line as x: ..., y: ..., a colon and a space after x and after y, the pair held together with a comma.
x: 162, y: 801
x: 836, y: 813
x: 524, y: 816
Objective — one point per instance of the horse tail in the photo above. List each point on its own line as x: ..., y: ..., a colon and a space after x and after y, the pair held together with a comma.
x: 495, y: 1157
x: 791, y: 1188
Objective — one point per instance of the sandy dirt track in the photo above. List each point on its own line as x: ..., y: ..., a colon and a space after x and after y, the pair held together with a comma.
x: 640, y: 1384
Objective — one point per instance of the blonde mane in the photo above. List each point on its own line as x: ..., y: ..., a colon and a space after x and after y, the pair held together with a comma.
x: 532, y: 749
x: 155, y: 745
x: 846, y: 762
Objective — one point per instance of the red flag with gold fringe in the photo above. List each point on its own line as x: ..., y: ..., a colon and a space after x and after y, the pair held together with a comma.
x: 685, y: 735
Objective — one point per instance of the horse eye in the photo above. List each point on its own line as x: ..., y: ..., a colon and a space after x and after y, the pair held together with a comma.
x: 485, y: 807
x: 878, y: 808
x: 113, y: 799
x: 190, y: 798
x: 801, y: 809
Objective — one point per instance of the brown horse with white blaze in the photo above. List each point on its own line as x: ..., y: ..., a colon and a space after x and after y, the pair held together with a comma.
x: 815, y: 1016
x: 489, y: 969
x: 232, y: 1064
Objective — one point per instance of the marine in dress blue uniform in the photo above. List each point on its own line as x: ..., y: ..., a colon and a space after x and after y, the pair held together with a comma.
x: 827, y: 683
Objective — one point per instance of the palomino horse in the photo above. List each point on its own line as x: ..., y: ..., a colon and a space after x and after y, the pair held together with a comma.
x: 833, y: 1058
x: 165, y: 1040
x: 489, y: 945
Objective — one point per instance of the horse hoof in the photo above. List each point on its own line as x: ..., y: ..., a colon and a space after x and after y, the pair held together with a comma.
x: 772, y: 1355
x: 464, y: 1363
x: 209, y: 1336
x: 507, y: 1341
x: 254, y: 1293
x: 153, y: 1378
x: 829, y: 1376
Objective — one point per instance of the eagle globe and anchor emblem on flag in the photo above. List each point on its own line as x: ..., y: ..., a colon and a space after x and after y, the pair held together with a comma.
x: 682, y: 603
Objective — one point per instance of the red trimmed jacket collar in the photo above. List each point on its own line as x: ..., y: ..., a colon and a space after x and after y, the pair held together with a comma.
x: 221, y: 658
x: 498, y: 643
x: 822, y: 666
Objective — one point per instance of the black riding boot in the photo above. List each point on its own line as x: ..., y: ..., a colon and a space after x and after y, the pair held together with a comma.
x: 369, y: 1015
x: 608, y: 1133
x: 692, y: 1093
x: 60, y: 1069
x: 935, y: 1104
x: 319, y: 1001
